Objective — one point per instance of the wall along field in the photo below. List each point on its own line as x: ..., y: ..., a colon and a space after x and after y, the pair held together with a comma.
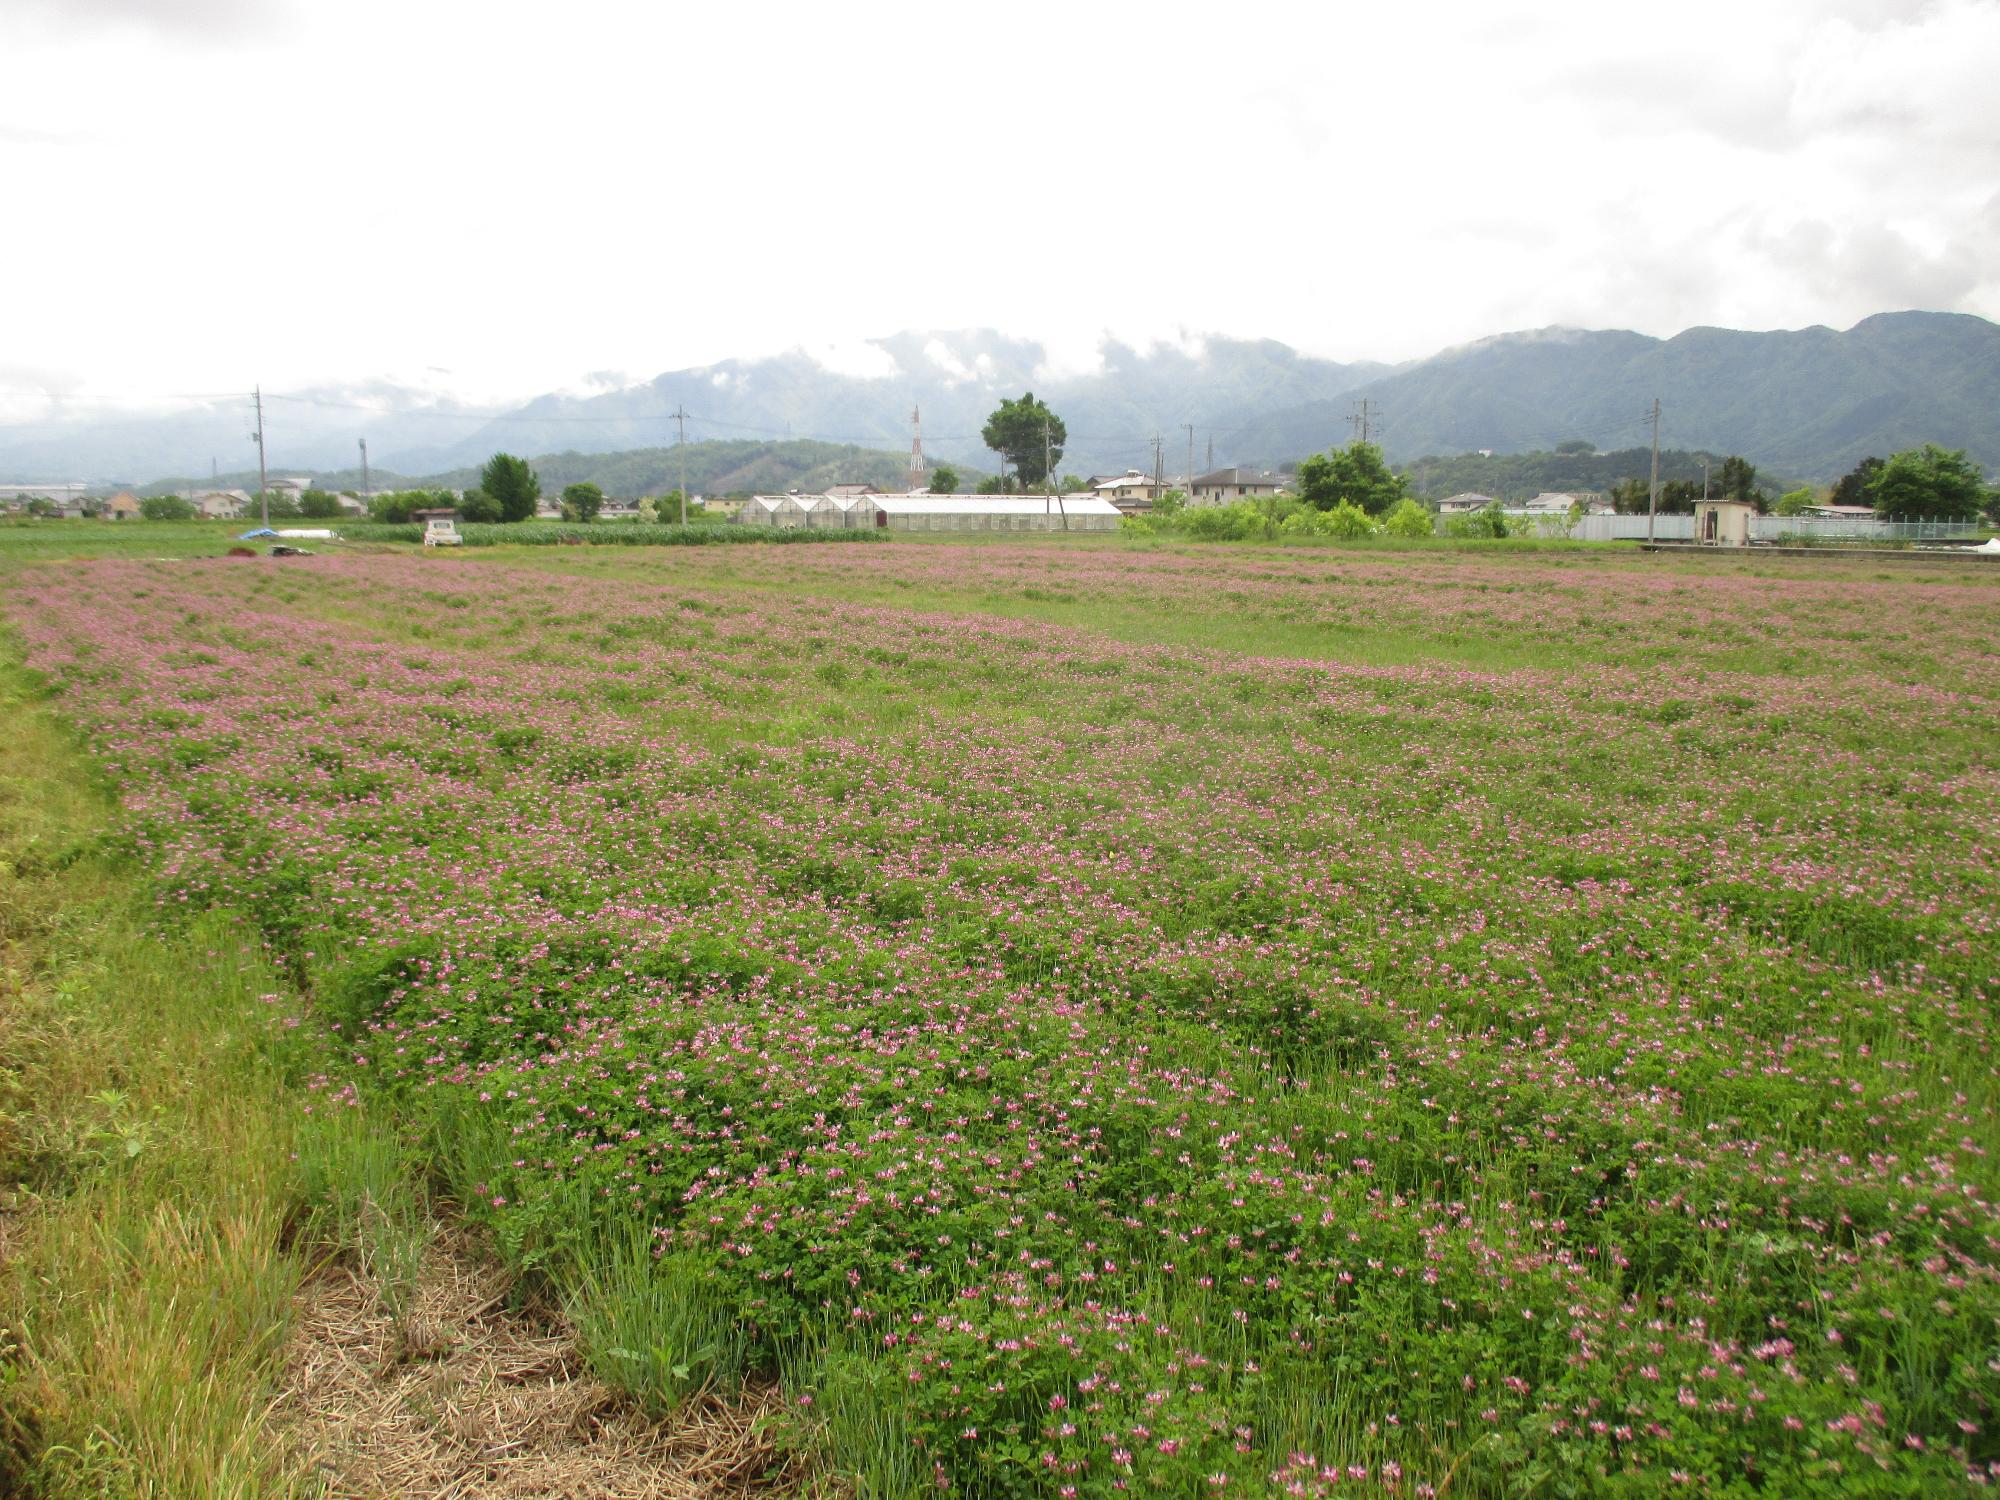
x: 1098, y: 1020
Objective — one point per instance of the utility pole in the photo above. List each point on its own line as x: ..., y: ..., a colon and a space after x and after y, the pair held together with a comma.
x: 1704, y: 477
x: 1047, y: 465
x: 916, y: 449
x: 364, y: 469
x: 1190, y: 470
x: 1211, y: 453
x: 263, y: 479
x: 1359, y: 421
x: 1049, y: 478
x: 1653, y: 489
x: 1157, y: 471
x: 680, y: 420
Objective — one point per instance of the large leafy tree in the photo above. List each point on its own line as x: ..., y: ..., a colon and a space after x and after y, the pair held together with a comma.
x: 582, y: 501
x: 513, y: 486
x: 1928, y: 484
x: 1357, y: 473
x: 944, y: 480
x: 167, y: 508
x: 319, y: 505
x: 1028, y: 436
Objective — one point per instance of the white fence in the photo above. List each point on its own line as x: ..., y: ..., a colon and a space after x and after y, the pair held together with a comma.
x: 1762, y: 528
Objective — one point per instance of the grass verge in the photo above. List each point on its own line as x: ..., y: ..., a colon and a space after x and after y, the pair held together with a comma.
x: 156, y: 1212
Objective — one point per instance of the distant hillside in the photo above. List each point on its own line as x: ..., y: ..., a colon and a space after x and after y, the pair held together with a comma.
x: 1522, y: 476
x: 714, y: 468
x: 956, y: 379
x: 1811, y: 403
x: 719, y: 468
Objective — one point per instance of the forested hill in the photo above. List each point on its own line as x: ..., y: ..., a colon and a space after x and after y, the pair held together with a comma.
x: 715, y: 468
x: 1522, y: 476
x: 1810, y: 402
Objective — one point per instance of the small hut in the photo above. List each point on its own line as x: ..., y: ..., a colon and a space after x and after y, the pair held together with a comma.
x: 1723, y: 523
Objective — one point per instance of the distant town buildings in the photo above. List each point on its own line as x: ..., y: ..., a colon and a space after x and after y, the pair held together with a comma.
x: 926, y: 512
x: 1227, y: 486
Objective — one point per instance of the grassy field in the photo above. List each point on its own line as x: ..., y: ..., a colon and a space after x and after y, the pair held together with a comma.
x: 1093, y: 1018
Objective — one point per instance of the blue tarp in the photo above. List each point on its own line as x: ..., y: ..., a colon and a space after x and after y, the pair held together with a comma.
x: 260, y: 531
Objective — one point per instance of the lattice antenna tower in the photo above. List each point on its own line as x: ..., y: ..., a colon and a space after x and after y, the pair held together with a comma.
x: 916, y: 448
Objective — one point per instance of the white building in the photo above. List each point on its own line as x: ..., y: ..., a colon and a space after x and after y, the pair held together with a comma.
x: 1080, y: 513
x: 1130, y: 490
x: 1227, y: 486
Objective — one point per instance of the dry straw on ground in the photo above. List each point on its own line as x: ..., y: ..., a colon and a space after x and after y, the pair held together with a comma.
x: 464, y: 1397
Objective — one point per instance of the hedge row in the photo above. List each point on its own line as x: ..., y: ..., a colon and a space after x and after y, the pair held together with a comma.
x: 622, y: 534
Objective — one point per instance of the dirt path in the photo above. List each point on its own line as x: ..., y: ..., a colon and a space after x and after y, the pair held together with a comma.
x: 466, y: 1398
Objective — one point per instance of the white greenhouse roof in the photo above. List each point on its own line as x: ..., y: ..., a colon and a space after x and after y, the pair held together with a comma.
x: 992, y: 505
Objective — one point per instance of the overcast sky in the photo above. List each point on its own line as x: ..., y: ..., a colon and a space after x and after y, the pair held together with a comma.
x: 501, y: 198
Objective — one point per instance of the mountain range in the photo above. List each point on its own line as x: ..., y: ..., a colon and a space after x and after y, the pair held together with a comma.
x: 1808, y: 402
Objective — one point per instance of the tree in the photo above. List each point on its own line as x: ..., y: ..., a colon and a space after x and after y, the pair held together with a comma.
x: 397, y: 507
x: 1928, y: 484
x: 992, y: 484
x: 944, y: 480
x: 1576, y: 446
x: 1739, y: 479
x: 513, y: 486
x: 321, y: 505
x: 1356, y: 473
x: 477, y: 506
x: 1027, y: 435
x: 1855, y: 486
x: 1795, y: 502
x: 167, y: 508
x: 1628, y: 497
x: 274, y: 503
x: 582, y: 501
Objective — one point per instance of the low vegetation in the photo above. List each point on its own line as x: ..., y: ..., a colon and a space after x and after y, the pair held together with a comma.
x: 1090, y: 1019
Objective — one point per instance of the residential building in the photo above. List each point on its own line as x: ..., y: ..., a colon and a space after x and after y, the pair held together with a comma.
x: 1129, y: 491
x: 123, y: 506
x: 1463, y: 502
x: 1226, y: 486
x: 222, y: 505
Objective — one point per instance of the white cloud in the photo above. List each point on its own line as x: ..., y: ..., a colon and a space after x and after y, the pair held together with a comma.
x: 862, y: 358
x: 1362, y: 184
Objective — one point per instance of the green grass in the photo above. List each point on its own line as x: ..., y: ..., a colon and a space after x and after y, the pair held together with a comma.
x: 164, y: 1191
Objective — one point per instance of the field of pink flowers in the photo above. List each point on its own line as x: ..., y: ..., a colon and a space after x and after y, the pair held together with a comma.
x: 1100, y: 1020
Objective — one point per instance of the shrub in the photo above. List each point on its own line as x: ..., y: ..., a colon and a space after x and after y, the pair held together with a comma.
x: 1409, y: 519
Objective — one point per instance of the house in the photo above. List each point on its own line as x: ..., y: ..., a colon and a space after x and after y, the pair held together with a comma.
x: 1131, y: 490
x: 1464, y: 502
x: 123, y: 506
x: 1226, y: 486
x: 1832, y: 512
x: 222, y: 505
x: 289, y: 487
x: 1723, y: 523
x: 850, y: 491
